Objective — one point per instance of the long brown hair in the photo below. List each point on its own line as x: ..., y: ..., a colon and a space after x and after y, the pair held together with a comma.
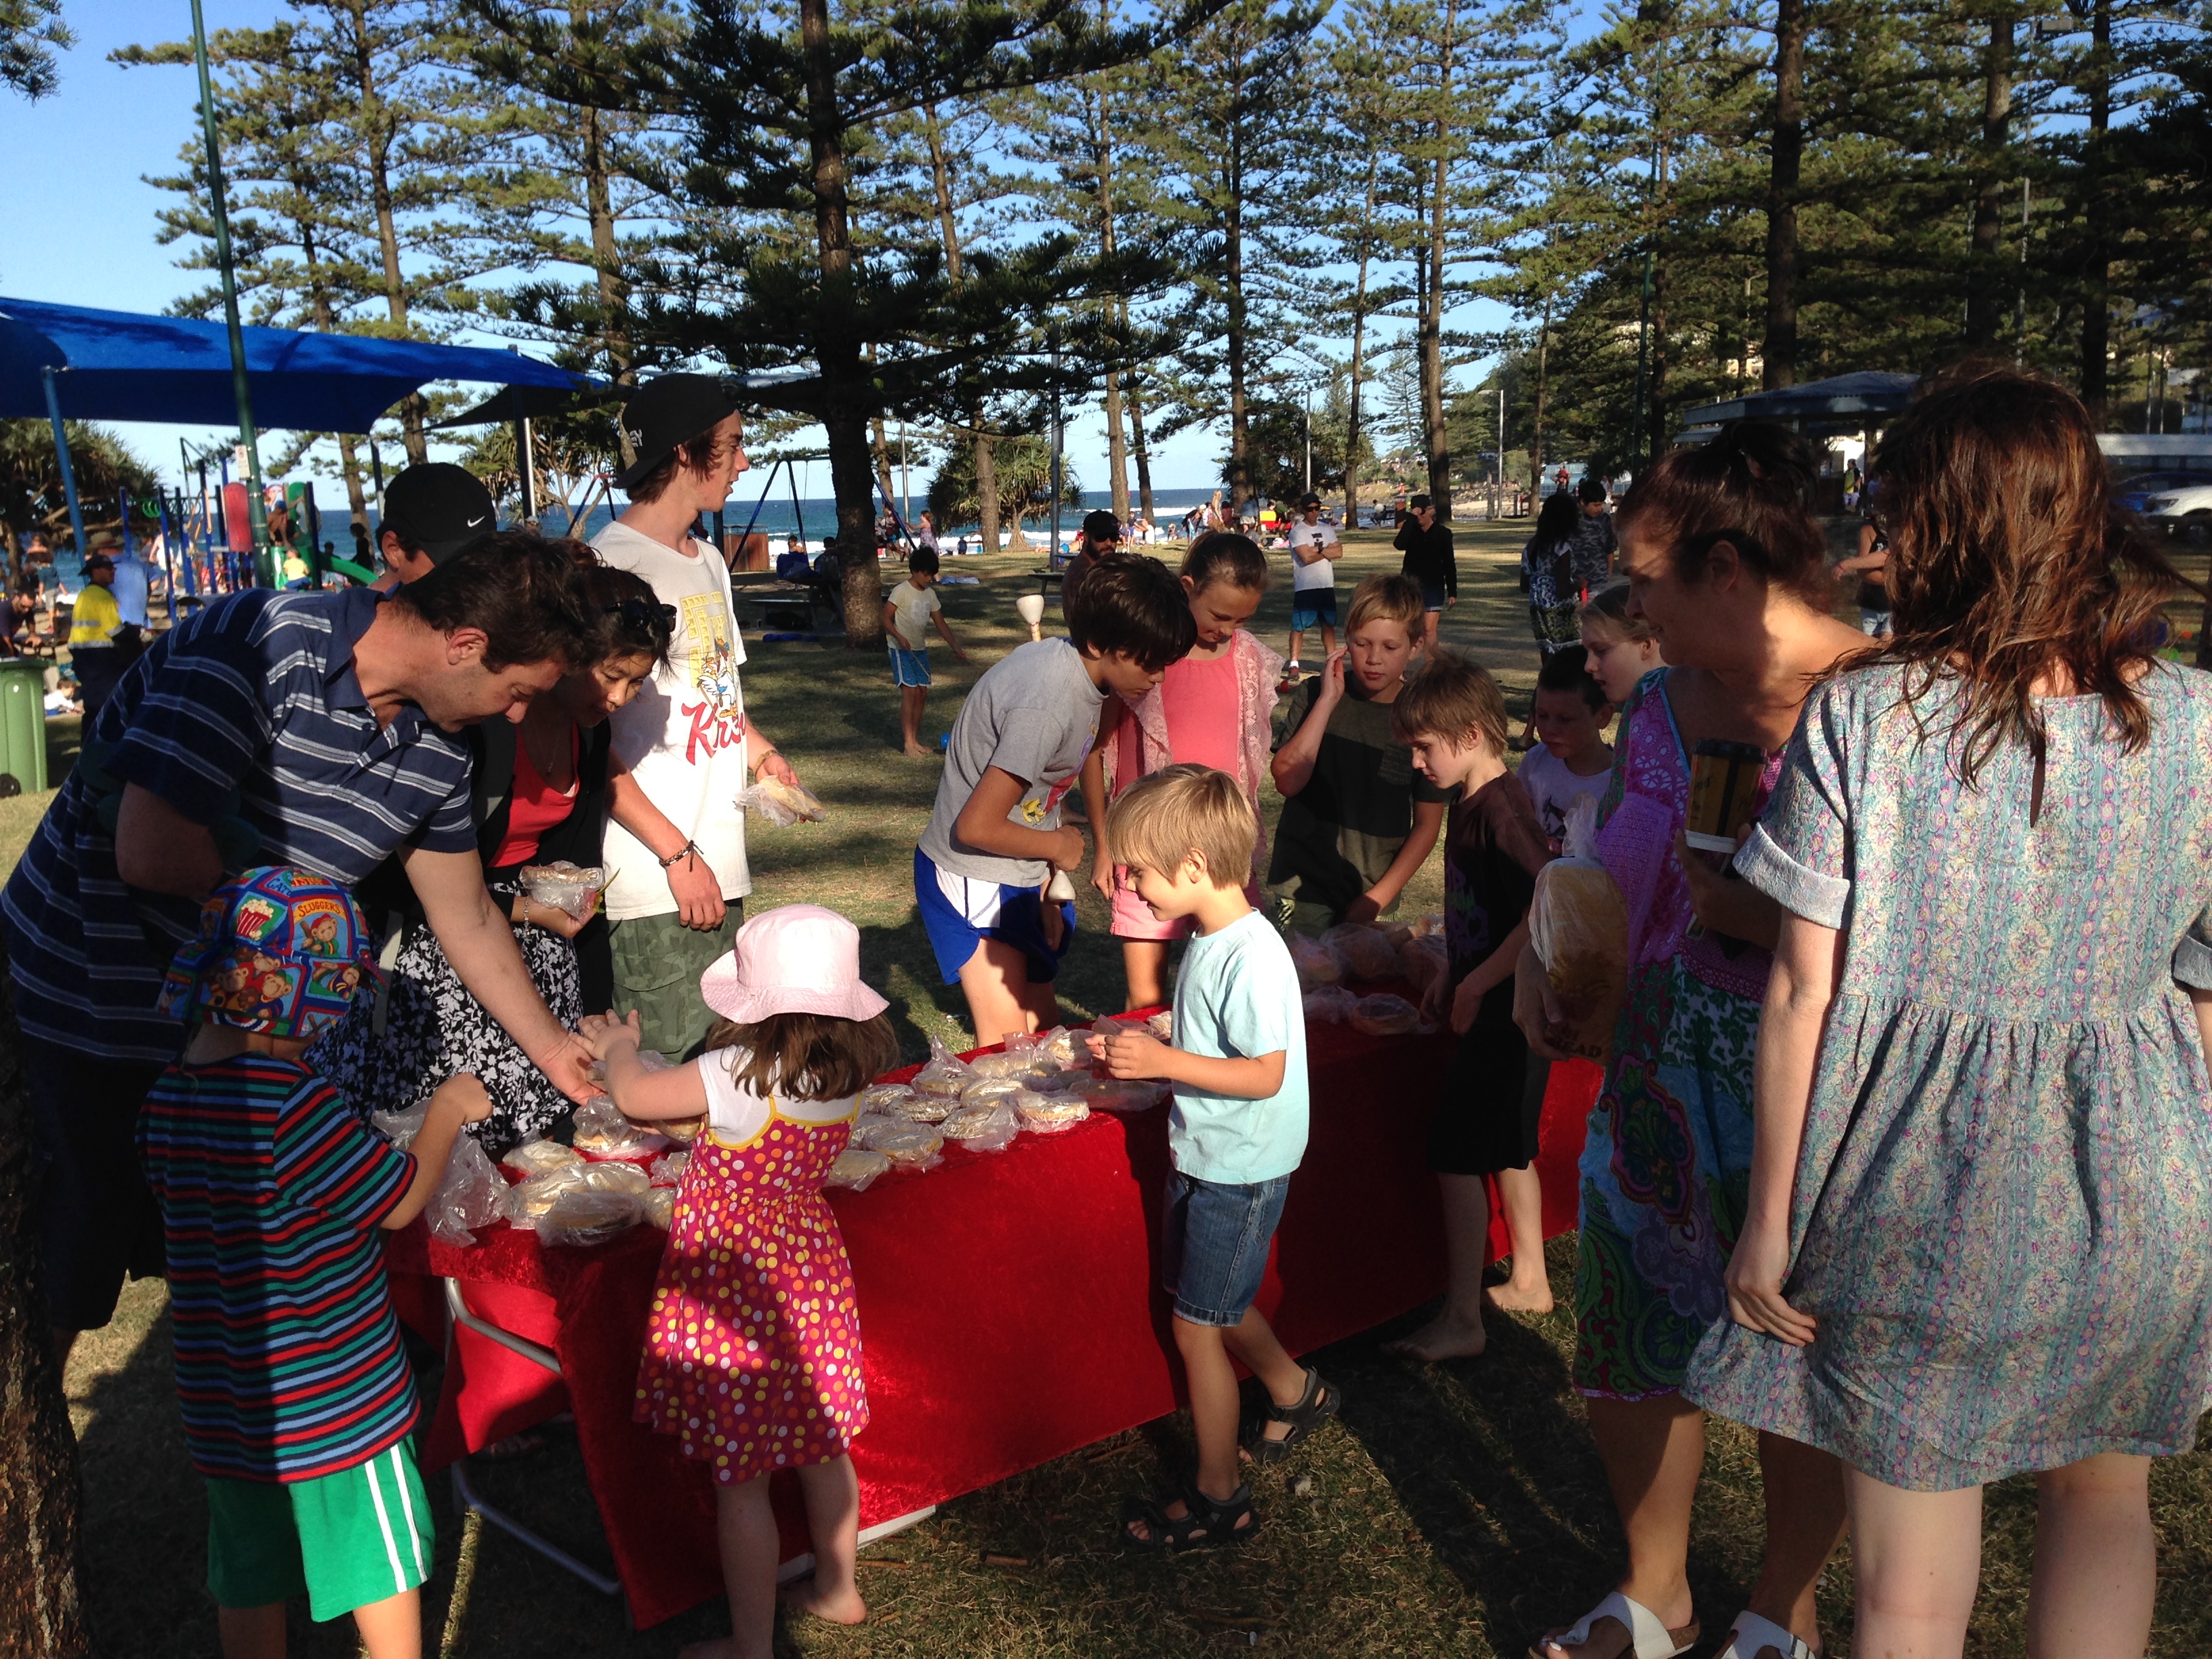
x: 2009, y: 559
x: 1751, y: 487
x: 807, y: 1056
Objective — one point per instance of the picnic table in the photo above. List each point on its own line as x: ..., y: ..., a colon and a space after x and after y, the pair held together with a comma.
x: 776, y: 603
x: 1008, y: 1305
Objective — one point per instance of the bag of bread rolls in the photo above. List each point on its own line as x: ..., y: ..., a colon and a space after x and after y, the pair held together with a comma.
x: 1579, y: 927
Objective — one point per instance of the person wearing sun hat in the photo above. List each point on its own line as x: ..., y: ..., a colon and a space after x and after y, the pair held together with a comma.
x: 274, y: 1191
x: 690, y: 743
x: 753, y: 1355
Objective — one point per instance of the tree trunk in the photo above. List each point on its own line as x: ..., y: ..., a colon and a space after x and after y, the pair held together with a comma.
x: 848, y: 395
x: 1985, y: 281
x: 1117, y: 442
x: 1358, y: 347
x: 880, y: 448
x: 1144, y: 453
x: 1432, y: 316
x: 986, y: 483
x: 1536, y: 428
x: 1779, y: 366
x: 1240, y: 467
x: 319, y: 301
x: 607, y: 265
x: 2096, y: 212
x: 376, y: 141
x: 41, y: 1611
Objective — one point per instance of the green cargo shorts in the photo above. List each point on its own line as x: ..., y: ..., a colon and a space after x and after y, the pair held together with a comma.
x: 346, y: 1540
x: 658, y: 962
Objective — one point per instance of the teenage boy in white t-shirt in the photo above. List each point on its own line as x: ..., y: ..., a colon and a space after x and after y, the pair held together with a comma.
x: 686, y: 738
x: 1315, y: 550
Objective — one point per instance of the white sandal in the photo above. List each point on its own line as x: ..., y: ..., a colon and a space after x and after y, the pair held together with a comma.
x: 1751, y: 1635
x: 1648, y: 1638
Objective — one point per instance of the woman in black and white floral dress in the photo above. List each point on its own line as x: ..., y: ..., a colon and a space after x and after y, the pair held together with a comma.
x: 542, y: 791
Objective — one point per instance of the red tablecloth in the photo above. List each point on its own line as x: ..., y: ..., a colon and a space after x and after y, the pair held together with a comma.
x: 1007, y: 1304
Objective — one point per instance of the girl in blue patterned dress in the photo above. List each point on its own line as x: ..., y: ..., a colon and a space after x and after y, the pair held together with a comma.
x: 1978, y: 1238
x: 1727, y: 566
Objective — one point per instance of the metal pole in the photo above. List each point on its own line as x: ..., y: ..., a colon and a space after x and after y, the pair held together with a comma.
x: 527, y: 453
x: 1497, y: 469
x: 62, y: 454
x: 256, y: 512
x: 906, y: 479
x: 1052, y: 557
x: 1309, y: 439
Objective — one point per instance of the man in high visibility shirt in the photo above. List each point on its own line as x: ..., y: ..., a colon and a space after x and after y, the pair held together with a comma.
x: 93, y: 627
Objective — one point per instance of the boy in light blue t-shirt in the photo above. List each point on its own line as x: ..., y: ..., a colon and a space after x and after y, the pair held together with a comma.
x: 1236, y: 1132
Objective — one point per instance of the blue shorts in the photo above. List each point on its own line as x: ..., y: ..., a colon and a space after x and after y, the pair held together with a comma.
x: 1214, y: 1245
x: 909, y: 667
x: 1311, y: 607
x: 1432, y: 596
x: 958, y: 919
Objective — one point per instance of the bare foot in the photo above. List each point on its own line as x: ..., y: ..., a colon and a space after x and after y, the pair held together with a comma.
x: 840, y: 1608
x: 915, y: 751
x: 1447, y: 1336
x: 1514, y: 1299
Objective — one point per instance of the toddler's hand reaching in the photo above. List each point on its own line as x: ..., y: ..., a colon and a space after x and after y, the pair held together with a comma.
x: 466, y: 1091
x: 601, y: 1032
x: 1131, y: 1053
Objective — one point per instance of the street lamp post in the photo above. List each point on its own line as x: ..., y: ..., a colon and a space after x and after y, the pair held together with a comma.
x: 256, y: 513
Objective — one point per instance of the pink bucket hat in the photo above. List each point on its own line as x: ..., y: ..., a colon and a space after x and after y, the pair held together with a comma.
x: 795, y: 959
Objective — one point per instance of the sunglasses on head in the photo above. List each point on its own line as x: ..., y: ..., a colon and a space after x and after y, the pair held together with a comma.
x: 636, y: 613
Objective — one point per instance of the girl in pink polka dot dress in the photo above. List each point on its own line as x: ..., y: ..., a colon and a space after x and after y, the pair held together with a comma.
x: 752, y: 1357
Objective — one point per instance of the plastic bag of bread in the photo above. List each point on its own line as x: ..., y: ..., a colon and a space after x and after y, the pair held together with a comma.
x: 536, y: 1157
x: 915, y: 1145
x: 1049, y: 1115
x: 1108, y: 1094
x: 1161, y: 1025
x: 883, y: 1096
x: 682, y: 1130
x: 468, y: 1195
x: 990, y: 1090
x: 988, y: 1127
x: 945, y: 1075
x: 1009, y: 1062
x: 1424, y: 960
x: 1317, y: 963
x: 869, y: 1125
x: 1383, y: 1016
x: 782, y: 803
x: 527, y: 1203
x: 922, y: 1108
x: 857, y: 1166
x: 602, y: 1132
x: 1579, y: 927
x: 562, y: 886
x: 1061, y: 1045
x: 660, y: 1207
x: 1331, y: 1003
x: 1364, y: 952
x: 590, y: 1216
x: 669, y: 1171
x: 1036, y: 1050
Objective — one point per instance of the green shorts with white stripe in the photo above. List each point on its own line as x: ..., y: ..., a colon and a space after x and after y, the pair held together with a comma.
x: 345, y: 1540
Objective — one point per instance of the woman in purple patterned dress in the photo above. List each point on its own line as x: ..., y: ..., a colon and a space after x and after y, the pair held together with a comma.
x: 1978, y: 1238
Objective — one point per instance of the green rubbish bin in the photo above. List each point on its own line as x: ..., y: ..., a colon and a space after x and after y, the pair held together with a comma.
x: 22, y: 727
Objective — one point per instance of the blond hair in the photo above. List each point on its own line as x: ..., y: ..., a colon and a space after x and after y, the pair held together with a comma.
x: 1393, y: 598
x: 1606, y: 614
x: 1168, y: 815
x: 1451, y: 697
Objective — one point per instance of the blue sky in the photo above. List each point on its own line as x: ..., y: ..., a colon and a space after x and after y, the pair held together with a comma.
x: 83, y: 221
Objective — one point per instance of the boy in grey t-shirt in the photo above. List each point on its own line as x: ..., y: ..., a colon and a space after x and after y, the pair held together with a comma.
x: 995, y: 837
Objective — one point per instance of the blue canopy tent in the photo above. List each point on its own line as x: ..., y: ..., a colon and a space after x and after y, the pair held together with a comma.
x: 70, y: 362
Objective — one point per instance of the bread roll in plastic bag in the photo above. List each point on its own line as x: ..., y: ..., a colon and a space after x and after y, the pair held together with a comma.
x: 590, y: 1217
x: 660, y: 1207
x: 1331, y: 1003
x: 989, y: 1128
x: 1579, y: 927
x: 1049, y: 1115
x: 885, y: 1096
x: 1383, y: 1016
x: 1365, y: 951
x: 945, y: 1075
x: 1424, y: 960
x: 1317, y: 963
x: 782, y: 803
x: 536, y: 1157
x: 857, y: 1168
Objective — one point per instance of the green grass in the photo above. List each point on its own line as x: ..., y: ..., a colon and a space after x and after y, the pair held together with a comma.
x: 1454, y: 1511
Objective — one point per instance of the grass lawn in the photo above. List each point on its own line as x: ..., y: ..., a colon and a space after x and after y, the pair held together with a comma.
x: 1458, y: 1510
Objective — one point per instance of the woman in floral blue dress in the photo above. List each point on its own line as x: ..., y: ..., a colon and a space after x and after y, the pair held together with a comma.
x: 1979, y: 1233
x: 1728, y: 565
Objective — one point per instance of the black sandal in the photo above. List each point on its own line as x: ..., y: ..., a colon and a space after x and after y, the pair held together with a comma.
x: 1203, y: 1525
x: 1314, y: 1407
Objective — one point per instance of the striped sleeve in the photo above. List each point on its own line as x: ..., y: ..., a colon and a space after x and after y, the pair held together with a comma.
x: 201, y: 724
x: 327, y: 1158
x: 452, y: 827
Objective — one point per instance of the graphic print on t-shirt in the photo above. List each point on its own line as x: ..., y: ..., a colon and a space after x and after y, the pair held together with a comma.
x: 718, y: 719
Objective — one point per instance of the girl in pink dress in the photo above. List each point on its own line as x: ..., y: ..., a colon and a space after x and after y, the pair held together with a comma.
x: 752, y: 1355
x: 1212, y: 709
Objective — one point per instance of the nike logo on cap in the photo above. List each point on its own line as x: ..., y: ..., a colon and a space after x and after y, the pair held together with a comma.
x: 473, y: 523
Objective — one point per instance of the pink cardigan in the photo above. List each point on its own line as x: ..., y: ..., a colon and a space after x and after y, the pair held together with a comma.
x: 1258, y: 671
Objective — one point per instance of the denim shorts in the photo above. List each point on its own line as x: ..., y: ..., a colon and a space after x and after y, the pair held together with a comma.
x: 1311, y: 607
x: 1214, y: 1245
x: 1432, y: 596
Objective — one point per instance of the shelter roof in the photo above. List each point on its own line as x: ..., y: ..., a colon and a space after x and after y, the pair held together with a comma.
x: 1864, y: 392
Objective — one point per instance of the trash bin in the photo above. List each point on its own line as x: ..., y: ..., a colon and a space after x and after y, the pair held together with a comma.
x: 22, y: 727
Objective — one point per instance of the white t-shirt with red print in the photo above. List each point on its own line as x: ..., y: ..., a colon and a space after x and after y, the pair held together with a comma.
x: 684, y: 735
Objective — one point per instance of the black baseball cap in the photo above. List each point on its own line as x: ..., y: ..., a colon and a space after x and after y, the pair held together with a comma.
x: 1101, y: 526
x: 1309, y: 500
x: 671, y: 410
x: 437, y: 509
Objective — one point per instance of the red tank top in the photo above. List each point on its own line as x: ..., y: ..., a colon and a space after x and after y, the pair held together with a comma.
x: 536, y: 805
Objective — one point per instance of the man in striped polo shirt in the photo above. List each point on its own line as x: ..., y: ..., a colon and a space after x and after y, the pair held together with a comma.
x: 319, y: 731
